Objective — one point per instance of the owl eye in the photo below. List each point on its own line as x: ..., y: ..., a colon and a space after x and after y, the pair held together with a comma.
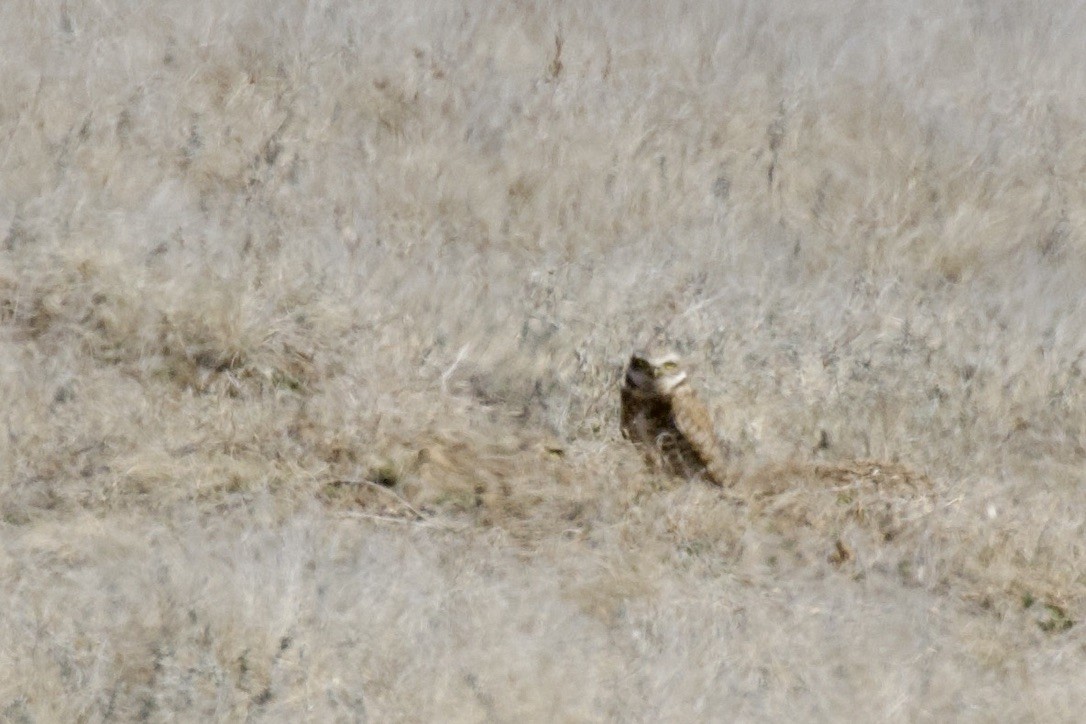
x: 670, y: 366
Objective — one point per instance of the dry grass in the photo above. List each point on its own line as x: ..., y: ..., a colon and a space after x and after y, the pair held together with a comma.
x: 312, y: 317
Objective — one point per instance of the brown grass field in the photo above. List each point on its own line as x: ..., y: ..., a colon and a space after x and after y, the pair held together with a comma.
x: 313, y: 316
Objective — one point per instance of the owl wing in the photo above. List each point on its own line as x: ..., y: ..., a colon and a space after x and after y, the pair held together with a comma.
x: 695, y: 424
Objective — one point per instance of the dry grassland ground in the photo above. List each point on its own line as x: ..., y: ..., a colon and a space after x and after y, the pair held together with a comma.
x: 312, y: 317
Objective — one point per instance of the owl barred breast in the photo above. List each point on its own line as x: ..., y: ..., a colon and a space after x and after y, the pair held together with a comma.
x: 663, y: 416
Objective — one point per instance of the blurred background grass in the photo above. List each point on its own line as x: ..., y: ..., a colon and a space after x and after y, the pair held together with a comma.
x: 312, y: 317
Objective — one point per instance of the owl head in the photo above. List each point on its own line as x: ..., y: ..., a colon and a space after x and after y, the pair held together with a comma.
x: 655, y: 373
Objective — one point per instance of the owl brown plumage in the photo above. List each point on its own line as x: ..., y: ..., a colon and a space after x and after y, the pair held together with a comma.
x: 663, y: 416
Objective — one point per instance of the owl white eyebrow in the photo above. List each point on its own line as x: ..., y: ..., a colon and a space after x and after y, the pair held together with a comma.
x: 660, y: 361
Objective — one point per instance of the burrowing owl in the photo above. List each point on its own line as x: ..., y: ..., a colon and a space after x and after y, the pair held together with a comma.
x: 663, y: 416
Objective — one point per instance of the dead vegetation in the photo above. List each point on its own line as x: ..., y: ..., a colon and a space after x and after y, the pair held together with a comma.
x: 311, y: 325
